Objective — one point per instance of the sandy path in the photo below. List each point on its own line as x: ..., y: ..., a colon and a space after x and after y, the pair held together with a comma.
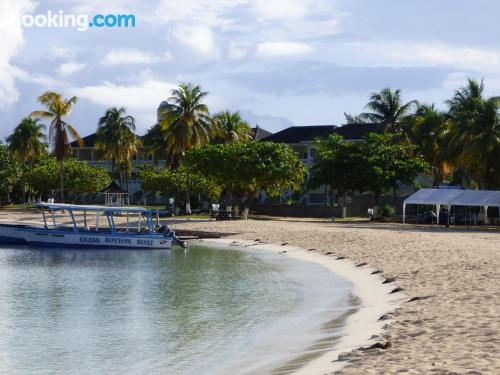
x: 456, y: 330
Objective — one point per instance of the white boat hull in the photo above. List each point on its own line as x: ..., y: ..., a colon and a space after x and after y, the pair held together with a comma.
x: 10, y: 233
x: 95, y: 240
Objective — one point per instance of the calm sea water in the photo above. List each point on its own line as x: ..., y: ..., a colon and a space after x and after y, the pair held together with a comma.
x: 200, y: 311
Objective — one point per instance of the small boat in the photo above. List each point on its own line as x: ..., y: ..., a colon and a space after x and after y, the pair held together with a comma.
x: 85, y: 229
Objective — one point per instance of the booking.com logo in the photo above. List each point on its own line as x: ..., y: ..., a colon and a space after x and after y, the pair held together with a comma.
x: 82, y: 22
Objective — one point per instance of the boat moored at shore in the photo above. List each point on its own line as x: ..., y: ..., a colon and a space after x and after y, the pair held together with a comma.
x: 92, y: 227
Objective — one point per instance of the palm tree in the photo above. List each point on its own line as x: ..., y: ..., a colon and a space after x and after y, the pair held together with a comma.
x: 185, y: 124
x: 115, y: 137
x: 354, y: 119
x: 27, y: 142
x: 474, y: 137
x: 466, y: 100
x: 388, y: 110
x: 429, y: 129
x: 61, y: 132
x: 231, y: 128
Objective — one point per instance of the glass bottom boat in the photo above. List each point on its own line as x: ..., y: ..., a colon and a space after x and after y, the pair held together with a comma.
x: 93, y: 227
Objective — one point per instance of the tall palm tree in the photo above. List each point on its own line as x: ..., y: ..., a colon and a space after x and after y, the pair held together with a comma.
x: 466, y: 100
x: 355, y: 119
x: 61, y: 132
x: 28, y: 141
x: 474, y: 137
x: 231, y: 128
x: 388, y: 110
x: 473, y: 142
x: 28, y: 144
x: 428, y: 132
x: 185, y: 124
x: 115, y: 137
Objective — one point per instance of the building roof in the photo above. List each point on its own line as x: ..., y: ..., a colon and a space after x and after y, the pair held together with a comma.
x: 88, y: 141
x: 353, y: 132
x: 260, y: 133
x: 300, y: 134
x: 113, y: 188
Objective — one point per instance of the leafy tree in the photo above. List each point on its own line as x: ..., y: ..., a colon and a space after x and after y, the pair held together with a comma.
x: 79, y: 177
x: 388, y: 110
x: 230, y: 128
x: 115, y: 137
x: 61, y: 132
x: 250, y: 168
x: 185, y: 124
x: 172, y: 183
x: 375, y: 165
x: 11, y: 172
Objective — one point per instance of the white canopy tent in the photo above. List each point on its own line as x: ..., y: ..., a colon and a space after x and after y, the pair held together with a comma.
x: 453, y: 197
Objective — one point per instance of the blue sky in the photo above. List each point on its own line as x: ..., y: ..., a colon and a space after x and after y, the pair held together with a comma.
x: 278, y: 62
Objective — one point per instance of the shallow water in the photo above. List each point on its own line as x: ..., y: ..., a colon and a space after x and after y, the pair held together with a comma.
x: 196, y: 311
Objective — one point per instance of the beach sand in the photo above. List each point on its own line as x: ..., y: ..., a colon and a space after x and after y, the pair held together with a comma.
x: 452, y: 327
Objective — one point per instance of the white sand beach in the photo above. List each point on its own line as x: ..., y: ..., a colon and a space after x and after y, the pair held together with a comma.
x: 452, y: 327
x: 451, y: 276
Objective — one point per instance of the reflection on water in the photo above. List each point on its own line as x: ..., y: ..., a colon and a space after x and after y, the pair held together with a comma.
x: 157, y: 312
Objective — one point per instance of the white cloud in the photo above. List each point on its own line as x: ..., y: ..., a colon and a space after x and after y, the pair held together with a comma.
x: 63, y: 52
x: 461, y: 57
x: 70, y: 68
x: 129, y: 56
x: 238, y: 49
x: 199, y: 38
x: 207, y: 12
x: 146, y: 95
x: 12, y: 42
x: 286, y: 9
x: 274, y: 49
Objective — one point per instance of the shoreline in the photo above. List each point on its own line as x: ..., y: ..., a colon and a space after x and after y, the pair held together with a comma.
x: 362, y: 327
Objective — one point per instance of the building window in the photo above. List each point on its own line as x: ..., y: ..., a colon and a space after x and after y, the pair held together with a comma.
x: 312, y: 152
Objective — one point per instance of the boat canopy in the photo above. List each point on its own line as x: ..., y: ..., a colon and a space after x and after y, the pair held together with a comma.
x: 72, y: 207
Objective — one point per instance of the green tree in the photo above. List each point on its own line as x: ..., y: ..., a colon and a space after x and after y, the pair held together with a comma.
x: 250, y: 168
x: 79, y: 178
x: 61, y: 132
x: 172, y: 183
x: 231, y: 128
x: 473, y: 140
x: 27, y: 142
x: 355, y: 119
x: 185, y: 124
x: 11, y: 172
x: 428, y: 132
x: 115, y: 137
x: 376, y: 164
x: 388, y: 110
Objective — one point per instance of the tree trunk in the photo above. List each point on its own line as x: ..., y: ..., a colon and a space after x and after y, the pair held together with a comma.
x: 377, y: 204
x: 229, y: 196
x: 62, y: 180
x: 188, y: 194
x: 248, y: 203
